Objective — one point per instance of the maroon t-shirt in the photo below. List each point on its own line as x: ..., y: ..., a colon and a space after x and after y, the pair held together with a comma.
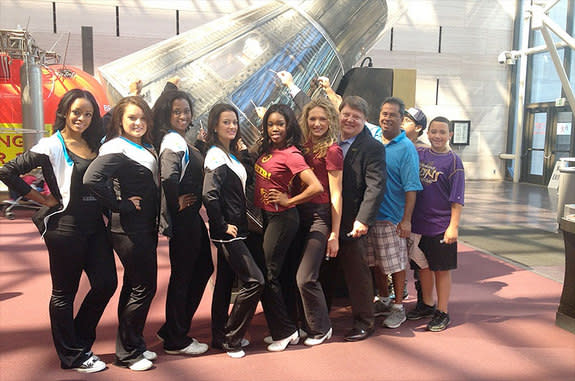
x: 333, y: 161
x: 276, y: 170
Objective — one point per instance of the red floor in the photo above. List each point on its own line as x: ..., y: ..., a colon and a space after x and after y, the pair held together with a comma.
x: 502, y: 328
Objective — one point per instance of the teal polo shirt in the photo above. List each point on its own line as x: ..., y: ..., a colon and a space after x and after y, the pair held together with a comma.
x: 402, y: 166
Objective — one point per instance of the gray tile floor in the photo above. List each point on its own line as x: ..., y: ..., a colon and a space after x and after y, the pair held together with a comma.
x: 490, y: 203
x: 516, y: 222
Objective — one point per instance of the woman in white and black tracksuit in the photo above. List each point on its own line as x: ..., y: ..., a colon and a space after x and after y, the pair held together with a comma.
x: 182, y: 177
x: 72, y: 226
x: 125, y: 178
x: 225, y: 201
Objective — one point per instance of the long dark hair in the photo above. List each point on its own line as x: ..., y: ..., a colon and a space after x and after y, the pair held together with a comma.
x: 213, y: 119
x: 293, y: 131
x: 95, y: 131
x: 115, y: 128
x: 162, y: 112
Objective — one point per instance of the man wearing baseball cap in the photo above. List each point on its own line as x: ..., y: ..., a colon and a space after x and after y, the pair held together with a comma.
x: 414, y: 123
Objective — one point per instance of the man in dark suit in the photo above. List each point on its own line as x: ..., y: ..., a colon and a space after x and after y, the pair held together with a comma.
x: 364, y: 177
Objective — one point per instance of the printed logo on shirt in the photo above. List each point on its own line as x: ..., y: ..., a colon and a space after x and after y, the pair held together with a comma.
x: 264, y: 194
x: 262, y: 172
x: 428, y: 174
x: 266, y: 158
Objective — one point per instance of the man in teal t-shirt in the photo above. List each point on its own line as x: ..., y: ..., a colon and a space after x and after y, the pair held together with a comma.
x: 387, y: 244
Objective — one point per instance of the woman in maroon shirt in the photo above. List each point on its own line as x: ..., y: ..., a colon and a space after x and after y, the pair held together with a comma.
x: 280, y: 161
x: 320, y: 217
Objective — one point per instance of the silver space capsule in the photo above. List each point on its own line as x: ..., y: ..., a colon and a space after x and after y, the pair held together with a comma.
x: 234, y: 59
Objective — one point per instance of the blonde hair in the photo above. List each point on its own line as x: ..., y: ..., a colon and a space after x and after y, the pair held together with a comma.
x: 320, y: 146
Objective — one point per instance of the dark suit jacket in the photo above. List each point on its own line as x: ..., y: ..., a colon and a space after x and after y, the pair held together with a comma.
x: 364, y: 177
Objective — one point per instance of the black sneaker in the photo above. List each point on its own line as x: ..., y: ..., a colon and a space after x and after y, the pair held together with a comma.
x: 92, y: 365
x: 421, y: 311
x: 439, y: 322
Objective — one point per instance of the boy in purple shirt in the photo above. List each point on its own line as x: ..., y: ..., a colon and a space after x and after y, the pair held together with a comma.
x: 436, y: 217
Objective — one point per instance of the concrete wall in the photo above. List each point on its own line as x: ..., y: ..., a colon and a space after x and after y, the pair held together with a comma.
x: 472, y: 85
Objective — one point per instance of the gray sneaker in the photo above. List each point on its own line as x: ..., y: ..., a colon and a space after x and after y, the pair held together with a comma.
x: 395, y: 319
x: 381, y: 308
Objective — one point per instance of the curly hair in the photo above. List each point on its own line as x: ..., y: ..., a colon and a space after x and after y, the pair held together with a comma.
x: 213, y: 120
x: 320, y: 146
x: 115, y: 129
x: 162, y: 112
x: 293, y: 130
x: 95, y: 131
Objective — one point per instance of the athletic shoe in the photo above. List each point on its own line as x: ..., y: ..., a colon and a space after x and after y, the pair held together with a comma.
x: 92, y: 365
x: 310, y: 341
x: 141, y: 365
x: 236, y: 354
x: 280, y: 345
x: 269, y: 339
x: 396, y: 318
x: 421, y: 311
x: 195, y: 348
x: 439, y: 322
x: 149, y: 355
x: 381, y: 308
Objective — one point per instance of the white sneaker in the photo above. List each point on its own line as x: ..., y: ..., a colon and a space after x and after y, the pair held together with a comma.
x: 236, y: 354
x: 141, y: 365
x: 269, y: 339
x: 280, y: 345
x: 149, y: 355
x: 396, y: 317
x: 195, y: 348
x: 310, y: 341
x: 92, y: 365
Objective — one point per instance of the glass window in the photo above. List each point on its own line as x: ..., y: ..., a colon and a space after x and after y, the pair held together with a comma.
x: 538, y: 143
x: 558, y: 14
x: 545, y: 83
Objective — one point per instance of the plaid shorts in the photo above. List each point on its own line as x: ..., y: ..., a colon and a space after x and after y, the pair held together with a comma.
x: 414, y: 253
x: 385, y: 248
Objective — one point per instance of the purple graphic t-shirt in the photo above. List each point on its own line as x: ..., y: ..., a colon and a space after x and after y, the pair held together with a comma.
x: 443, y: 181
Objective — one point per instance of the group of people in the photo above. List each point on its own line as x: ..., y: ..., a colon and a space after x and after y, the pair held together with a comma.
x: 328, y: 189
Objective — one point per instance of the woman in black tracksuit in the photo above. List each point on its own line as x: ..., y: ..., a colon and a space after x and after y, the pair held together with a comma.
x: 182, y: 176
x: 124, y: 177
x: 72, y: 226
x: 225, y: 201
